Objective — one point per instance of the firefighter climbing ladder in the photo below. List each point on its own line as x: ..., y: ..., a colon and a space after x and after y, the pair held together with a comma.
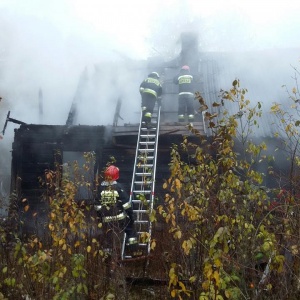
x: 143, y: 183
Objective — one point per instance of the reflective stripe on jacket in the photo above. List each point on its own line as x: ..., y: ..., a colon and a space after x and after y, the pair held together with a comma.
x: 109, y: 197
x: 185, y: 82
x: 117, y: 217
x: 151, y: 86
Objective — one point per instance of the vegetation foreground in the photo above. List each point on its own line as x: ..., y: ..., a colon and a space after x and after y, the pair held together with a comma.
x: 230, y: 236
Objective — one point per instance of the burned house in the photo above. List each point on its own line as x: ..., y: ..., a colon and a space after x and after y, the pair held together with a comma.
x: 36, y: 147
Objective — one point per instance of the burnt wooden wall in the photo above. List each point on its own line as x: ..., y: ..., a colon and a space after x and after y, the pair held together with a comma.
x: 36, y: 147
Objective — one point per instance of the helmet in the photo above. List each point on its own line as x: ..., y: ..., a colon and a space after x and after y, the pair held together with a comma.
x: 154, y: 75
x: 187, y: 68
x: 111, y: 173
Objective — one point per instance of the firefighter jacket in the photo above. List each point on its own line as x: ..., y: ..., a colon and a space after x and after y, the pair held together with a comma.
x: 151, y: 86
x: 113, y: 203
x: 185, y: 83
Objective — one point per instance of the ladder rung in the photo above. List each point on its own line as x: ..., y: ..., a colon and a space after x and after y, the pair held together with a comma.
x: 147, y: 143
x: 144, y: 158
x: 144, y: 165
x: 141, y: 221
x: 143, y: 174
x: 150, y: 136
x: 142, y: 191
x: 148, y: 129
x: 139, y: 201
x: 146, y: 150
x: 143, y: 182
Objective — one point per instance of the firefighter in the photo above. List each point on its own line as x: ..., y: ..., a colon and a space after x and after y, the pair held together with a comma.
x: 150, y: 90
x: 114, y: 209
x: 186, y: 94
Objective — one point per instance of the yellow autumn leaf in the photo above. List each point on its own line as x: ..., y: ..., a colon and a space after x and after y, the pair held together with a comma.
x: 208, y: 270
x: 181, y: 284
x: 216, y: 276
x: 205, y: 285
x: 26, y: 208
x: 269, y: 286
x: 88, y: 249
x: 275, y: 108
x: 177, y: 234
x: 152, y: 216
x: 178, y: 183
x: 217, y: 262
x: 294, y: 249
x: 153, y: 244
x: 173, y: 279
x: 227, y: 294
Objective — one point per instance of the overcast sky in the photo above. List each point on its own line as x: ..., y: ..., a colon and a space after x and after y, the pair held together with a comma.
x: 47, y: 44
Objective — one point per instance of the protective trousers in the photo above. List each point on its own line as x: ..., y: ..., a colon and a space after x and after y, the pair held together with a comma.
x: 114, y: 222
x: 148, y: 103
x: 185, y: 106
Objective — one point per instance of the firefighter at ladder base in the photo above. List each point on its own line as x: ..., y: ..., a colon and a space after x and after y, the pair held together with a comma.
x: 114, y: 210
x: 150, y: 90
x: 186, y: 95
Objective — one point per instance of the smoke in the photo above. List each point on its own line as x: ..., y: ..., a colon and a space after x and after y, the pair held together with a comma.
x: 46, y: 45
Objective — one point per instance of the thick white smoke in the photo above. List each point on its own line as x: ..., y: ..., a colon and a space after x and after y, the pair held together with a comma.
x: 47, y: 44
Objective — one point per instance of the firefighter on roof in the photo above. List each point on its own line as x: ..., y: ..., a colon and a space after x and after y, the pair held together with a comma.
x: 150, y: 90
x: 114, y: 209
x: 185, y: 95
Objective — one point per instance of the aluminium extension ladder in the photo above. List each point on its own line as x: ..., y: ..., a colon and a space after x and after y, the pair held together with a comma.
x: 143, y: 183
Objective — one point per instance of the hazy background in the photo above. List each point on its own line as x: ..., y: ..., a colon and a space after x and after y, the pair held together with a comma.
x: 47, y: 44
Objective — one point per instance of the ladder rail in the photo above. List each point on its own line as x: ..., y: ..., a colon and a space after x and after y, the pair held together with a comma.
x: 154, y: 176
x: 135, y: 159
x: 133, y: 179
